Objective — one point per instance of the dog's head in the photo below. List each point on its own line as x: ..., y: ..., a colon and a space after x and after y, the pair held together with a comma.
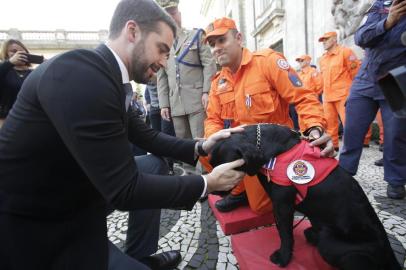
x: 271, y: 139
x: 235, y: 147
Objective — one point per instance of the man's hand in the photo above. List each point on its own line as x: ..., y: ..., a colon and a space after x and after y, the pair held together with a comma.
x: 219, y: 135
x: 396, y: 12
x: 147, y: 107
x: 323, y: 141
x: 165, y: 114
x: 224, y: 177
x: 205, y: 100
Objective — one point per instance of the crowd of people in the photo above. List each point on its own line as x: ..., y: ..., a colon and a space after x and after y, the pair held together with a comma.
x: 201, y: 85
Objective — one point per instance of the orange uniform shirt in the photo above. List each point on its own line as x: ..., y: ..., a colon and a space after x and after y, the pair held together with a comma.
x: 259, y: 92
x: 312, y: 79
x: 338, y: 68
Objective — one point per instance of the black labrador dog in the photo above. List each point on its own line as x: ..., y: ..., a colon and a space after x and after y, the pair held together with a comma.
x: 345, y: 227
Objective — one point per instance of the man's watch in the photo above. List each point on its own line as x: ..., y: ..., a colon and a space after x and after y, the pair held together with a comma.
x: 200, y: 149
x: 320, y: 129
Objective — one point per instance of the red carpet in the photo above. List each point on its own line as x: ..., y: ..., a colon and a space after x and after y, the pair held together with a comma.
x: 252, y: 250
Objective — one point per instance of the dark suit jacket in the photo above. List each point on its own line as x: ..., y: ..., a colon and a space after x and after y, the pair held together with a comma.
x: 65, y: 156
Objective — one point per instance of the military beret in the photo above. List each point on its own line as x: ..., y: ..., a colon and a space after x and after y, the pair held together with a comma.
x: 168, y: 3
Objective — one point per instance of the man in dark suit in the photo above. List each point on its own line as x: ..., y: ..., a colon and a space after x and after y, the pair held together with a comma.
x: 65, y: 157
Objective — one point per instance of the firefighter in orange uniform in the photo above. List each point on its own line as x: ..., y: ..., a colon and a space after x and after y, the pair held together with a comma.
x: 309, y: 75
x: 338, y: 66
x: 256, y: 88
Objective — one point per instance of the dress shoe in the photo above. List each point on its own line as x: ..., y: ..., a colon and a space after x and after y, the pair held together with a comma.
x: 231, y: 202
x: 163, y: 261
x: 365, y: 145
x: 379, y: 162
x: 395, y: 192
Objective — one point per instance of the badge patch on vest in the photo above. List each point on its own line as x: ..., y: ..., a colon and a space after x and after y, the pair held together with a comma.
x: 283, y: 64
x: 300, y: 171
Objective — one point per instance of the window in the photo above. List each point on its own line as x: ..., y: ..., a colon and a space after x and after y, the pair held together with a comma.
x: 262, y: 5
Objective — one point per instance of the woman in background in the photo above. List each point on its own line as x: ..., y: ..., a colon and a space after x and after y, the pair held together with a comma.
x: 14, y: 68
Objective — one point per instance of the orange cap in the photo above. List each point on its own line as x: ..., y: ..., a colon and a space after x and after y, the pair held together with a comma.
x: 219, y: 27
x: 304, y: 57
x: 327, y: 35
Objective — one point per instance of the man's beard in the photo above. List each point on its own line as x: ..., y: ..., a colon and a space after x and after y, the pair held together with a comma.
x: 140, y: 64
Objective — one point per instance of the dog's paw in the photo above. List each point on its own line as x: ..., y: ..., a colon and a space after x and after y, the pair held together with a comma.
x: 281, y: 258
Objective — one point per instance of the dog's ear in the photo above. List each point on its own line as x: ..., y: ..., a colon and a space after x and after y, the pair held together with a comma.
x: 253, y: 157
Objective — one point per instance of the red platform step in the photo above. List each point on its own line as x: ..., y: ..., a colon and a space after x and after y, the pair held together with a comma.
x: 239, y: 220
x: 252, y: 250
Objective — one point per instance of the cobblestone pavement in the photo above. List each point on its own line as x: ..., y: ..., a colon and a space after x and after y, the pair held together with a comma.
x: 204, y: 246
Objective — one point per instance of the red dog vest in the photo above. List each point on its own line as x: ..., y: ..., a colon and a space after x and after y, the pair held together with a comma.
x: 301, y: 167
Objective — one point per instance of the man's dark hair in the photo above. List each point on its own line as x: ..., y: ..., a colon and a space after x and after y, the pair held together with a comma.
x: 146, y: 13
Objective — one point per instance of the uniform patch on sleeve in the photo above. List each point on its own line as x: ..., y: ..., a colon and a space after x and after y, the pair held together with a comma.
x: 294, y: 79
x: 283, y: 64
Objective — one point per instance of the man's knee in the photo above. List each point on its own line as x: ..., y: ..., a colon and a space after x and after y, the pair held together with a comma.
x: 152, y: 164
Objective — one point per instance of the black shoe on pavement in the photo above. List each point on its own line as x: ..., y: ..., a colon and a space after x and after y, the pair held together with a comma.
x: 395, y: 192
x: 230, y: 202
x: 365, y: 145
x: 379, y: 162
x: 163, y: 261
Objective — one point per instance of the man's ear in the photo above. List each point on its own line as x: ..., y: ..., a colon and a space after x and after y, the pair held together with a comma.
x: 253, y: 157
x: 132, y: 31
